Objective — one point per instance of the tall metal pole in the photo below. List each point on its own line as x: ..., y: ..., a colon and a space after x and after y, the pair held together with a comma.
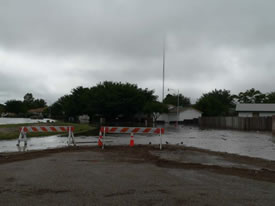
x: 163, y: 69
x: 178, y: 102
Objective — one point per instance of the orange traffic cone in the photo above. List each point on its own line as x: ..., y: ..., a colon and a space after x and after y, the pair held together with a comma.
x: 132, y: 142
x: 100, y: 140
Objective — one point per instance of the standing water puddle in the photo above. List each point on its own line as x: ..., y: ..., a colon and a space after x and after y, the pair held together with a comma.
x: 253, y: 144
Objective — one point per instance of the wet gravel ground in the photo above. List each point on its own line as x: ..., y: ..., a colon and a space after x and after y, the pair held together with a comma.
x: 141, y: 175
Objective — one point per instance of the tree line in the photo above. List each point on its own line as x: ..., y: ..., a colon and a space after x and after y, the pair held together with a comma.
x: 111, y: 100
x: 21, y: 108
x: 223, y: 103
x: 124, y: 101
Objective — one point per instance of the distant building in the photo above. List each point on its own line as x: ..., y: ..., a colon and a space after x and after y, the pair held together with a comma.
x: 37, y: 113
x: 84, y: 119
x: 255, y: 110
x: 184, y: 114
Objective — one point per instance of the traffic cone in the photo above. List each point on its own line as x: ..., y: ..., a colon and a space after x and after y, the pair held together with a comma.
x: 100, y: 140
x: 132, y: 142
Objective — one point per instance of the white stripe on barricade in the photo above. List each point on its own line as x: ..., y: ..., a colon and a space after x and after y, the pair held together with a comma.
x: 25, y: 130
x: 132, y: 130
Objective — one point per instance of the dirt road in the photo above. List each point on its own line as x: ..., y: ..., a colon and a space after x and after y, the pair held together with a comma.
x: 135, y: 176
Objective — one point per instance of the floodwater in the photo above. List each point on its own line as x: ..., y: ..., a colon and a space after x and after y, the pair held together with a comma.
x: 5, y: 120
x: 253, y: 144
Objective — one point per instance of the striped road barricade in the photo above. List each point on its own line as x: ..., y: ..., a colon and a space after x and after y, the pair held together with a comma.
x: 132, y: 130
x: 30, y: 129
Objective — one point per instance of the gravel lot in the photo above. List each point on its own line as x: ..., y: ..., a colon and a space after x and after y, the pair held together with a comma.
x: 135, y: 176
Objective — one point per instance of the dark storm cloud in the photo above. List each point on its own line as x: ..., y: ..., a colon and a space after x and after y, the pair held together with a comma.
x: 49, y: 47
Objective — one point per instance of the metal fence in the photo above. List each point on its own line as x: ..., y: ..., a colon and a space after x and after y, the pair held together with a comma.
x: 237, y: 123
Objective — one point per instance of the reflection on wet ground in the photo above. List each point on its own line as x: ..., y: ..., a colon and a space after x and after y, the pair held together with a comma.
x: 254, y: 144
x: 8, y: 120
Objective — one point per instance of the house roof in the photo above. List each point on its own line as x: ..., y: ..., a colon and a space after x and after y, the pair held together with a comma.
x: 255, y: 108
x: 38, y: 110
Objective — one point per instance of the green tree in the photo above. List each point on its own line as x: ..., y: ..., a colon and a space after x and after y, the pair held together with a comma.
x: 39, y: 103
x: 32, y: 103
x: 215, y: 103
x: 107, y: 99
x: 77, y: 103
x: 251, y: 96
x: 15, y: 106
x: 111, y: 99
x: 270, y: 98
x: 173, y: 99
x: 155, y: 109
x: 58, y: 109
x: 2, y: 108
x: 28, y: 100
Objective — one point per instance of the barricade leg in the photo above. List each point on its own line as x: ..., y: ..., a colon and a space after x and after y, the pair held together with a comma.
x: 71, y: 139
x: 100, y: 139
x: 103, y: 139
x: 22, y: 136
x: 72, y: 136
x: 19, y: 139
x: 25, y: 138
x: 160, y: 139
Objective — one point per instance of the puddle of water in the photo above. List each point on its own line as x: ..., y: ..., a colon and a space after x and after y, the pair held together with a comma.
x: 33, y: 144
x: 254, y: 144
x: 41, y: 143
x: 5, y: 120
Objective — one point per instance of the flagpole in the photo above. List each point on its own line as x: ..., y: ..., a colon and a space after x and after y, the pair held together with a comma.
x: 163, y: 69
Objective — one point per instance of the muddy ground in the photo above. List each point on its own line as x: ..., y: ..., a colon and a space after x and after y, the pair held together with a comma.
x: 142, y: 175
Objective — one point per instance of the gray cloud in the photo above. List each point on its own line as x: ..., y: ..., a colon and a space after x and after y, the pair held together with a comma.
x: 50, y: 47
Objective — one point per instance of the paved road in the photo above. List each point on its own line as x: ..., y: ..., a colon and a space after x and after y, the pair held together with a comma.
x: 121, y: 176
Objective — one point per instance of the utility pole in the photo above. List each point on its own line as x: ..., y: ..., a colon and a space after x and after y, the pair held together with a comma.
x: 178, y: 104
x: 163, y: 69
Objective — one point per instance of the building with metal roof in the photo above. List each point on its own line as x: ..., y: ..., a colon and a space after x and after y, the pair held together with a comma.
x: 255, y: 110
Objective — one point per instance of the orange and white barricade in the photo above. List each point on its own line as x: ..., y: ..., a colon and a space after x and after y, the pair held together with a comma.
x: 132, y: 141
x: 100, y: 143
x: 28, y: 129
x: 132, y: 131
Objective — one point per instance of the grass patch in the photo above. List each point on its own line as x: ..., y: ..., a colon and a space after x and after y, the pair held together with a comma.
x: 11, y: 131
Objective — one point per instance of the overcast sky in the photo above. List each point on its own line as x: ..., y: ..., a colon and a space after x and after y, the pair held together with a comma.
x: 49, y: 47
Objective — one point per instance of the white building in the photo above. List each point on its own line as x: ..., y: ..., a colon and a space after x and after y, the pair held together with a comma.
x: 85, y: 119
x: 255, y: 110
x: 185, y: 113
